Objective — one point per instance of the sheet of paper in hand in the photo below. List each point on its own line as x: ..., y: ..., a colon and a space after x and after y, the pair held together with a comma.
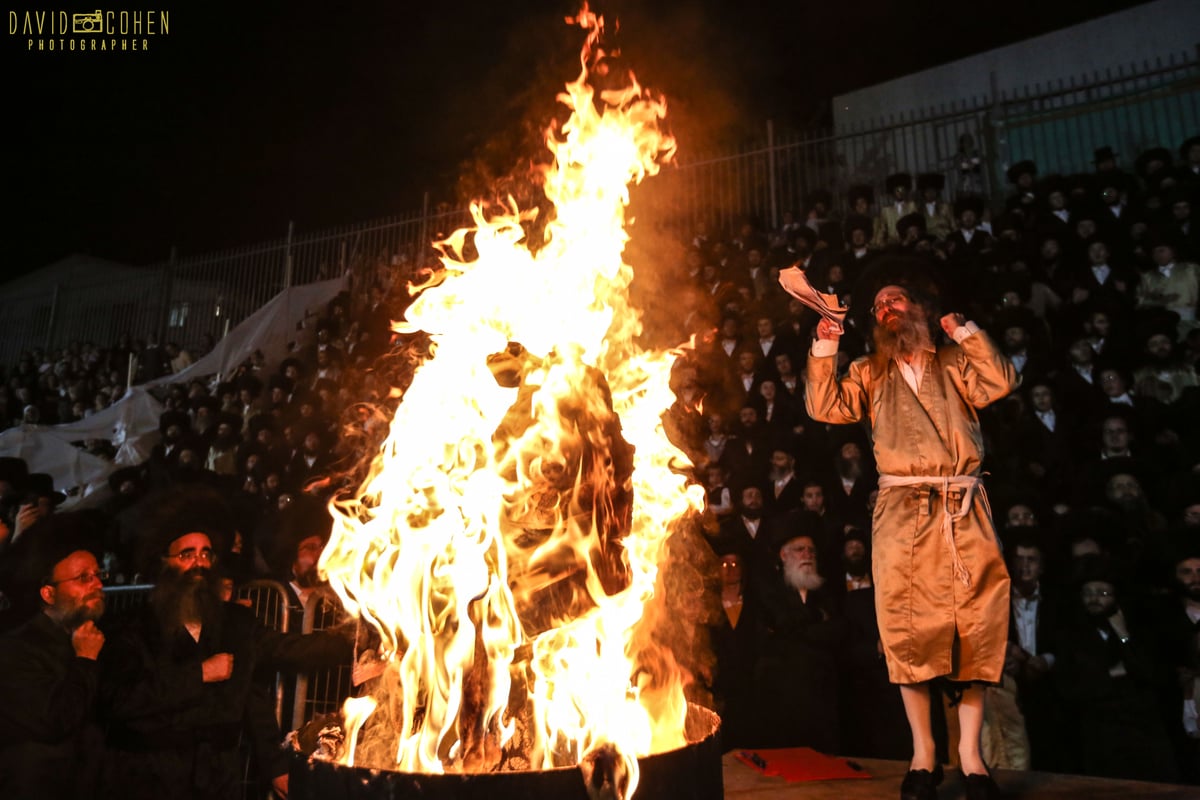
x: 795, y: 283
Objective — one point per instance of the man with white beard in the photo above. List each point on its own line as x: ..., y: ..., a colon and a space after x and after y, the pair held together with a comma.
x: 796, y: 676
x: 799, y: 561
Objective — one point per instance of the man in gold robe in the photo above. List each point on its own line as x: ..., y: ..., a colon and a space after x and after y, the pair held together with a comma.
x: 942, y: 589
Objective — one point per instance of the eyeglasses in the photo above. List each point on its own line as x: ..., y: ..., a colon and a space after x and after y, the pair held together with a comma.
x: 1089, y: 594
x: 84, y: 578
x: 888, y: 302
x: 192, y: 554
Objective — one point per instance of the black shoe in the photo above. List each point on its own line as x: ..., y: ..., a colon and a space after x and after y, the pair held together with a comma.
x: 921, y: 784
x: 981, y: 787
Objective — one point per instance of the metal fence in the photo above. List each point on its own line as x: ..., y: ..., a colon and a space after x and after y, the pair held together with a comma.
x: 1058, y: 125
x: 269, y: 602
x: 321, y: 691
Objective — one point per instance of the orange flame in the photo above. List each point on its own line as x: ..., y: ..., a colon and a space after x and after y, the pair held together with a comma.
x: 509, y: 535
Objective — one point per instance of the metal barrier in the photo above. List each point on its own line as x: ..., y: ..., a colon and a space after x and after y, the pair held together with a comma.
x: 269, y: 602
x: 322, y: 691
x: 1057, y: 125
x: 120, y: 601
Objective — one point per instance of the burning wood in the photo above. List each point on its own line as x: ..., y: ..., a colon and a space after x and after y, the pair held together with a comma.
x: 509, y: 535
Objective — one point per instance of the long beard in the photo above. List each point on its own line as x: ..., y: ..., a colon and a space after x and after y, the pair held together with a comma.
x: 909, y: 336
x: 180, y: 598
x: 801, y: 578
x: 849, y: 468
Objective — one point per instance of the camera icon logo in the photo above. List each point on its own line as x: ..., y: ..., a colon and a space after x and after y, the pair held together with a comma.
x: 88, y: 23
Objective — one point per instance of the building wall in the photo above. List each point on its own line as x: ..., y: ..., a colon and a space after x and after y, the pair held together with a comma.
x: 1134, y: 36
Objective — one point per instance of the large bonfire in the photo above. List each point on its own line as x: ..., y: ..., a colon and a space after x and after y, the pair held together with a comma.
x: 508, y: 540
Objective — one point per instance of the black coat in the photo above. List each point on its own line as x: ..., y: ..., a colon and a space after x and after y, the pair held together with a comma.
x: 796, y: 673
x: 169, y: 733
x: 50, y: 745
x: 1118, y: 724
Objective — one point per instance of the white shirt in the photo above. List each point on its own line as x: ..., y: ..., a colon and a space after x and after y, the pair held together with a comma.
x: 1048, y: 419
x: 766, y: 344
x: 968, y: 234
x: 913, y: 372
x: 1019, y: 360
x: 853, y: 583
x: 1025, y: 619
x: 752, y: 526
x: 1084, y: 372
x: 1167, y: 269
x: 1063, y: 214
x: 1101, y: 271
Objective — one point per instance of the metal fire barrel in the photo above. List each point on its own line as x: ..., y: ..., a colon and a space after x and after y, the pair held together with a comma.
x: 692, y: 772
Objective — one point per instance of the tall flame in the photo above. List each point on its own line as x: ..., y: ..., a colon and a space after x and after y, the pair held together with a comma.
x: 509, y: 536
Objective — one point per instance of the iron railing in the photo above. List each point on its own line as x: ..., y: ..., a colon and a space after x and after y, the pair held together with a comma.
x: 1058, y: 125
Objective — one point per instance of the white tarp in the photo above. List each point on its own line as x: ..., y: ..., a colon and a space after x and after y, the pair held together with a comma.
x: 270, y: 329
x: 131, y: 424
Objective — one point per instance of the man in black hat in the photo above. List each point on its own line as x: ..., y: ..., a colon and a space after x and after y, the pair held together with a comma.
x: 968, y: 244
x: 48, y: 674
x: 939, y: 220
x: 1170, y: 284
x: 796, y: 677
x: 858, y: 239
x: 177, y: 683
x: 899, y: 205
x: 1162, y: 376
x: 1022, y: 176
x: 17, y: 510
x: 221, y: 457
x: 942, y: 591
x: 1109, y: 676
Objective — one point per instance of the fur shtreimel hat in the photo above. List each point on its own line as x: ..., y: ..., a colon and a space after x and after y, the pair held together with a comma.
x: 897, y: 180
x: 917, y: 276
x: 1020, y: 168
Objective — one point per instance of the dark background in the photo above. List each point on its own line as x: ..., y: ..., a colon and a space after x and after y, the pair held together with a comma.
x: 249, y: 115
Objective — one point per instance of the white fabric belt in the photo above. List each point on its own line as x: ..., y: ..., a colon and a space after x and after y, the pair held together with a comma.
x: 969, y: 484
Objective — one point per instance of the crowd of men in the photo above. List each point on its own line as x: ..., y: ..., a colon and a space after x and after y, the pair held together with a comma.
x: 1088, y: 283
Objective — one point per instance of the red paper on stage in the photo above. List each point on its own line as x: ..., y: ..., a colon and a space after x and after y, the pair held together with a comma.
x: 796, y: 764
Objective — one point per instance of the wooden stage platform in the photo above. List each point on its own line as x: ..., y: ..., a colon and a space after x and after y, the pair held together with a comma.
x: 743, y: 782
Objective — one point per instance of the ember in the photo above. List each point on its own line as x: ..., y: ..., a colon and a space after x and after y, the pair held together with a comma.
x: 508, y: 541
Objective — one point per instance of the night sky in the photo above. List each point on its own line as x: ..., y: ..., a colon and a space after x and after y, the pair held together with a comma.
x: 248, y: 115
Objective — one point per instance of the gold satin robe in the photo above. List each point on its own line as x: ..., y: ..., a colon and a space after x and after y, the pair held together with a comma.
x: 931, y: 624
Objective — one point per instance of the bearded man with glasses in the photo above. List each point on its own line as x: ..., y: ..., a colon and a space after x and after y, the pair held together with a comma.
x: 48, y: 673
x: 177, y: 683
x: 1113, y: 682
x: 941, y: 587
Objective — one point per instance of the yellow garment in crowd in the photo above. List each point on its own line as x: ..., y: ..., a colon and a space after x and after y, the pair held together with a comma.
x: 943, y: 605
